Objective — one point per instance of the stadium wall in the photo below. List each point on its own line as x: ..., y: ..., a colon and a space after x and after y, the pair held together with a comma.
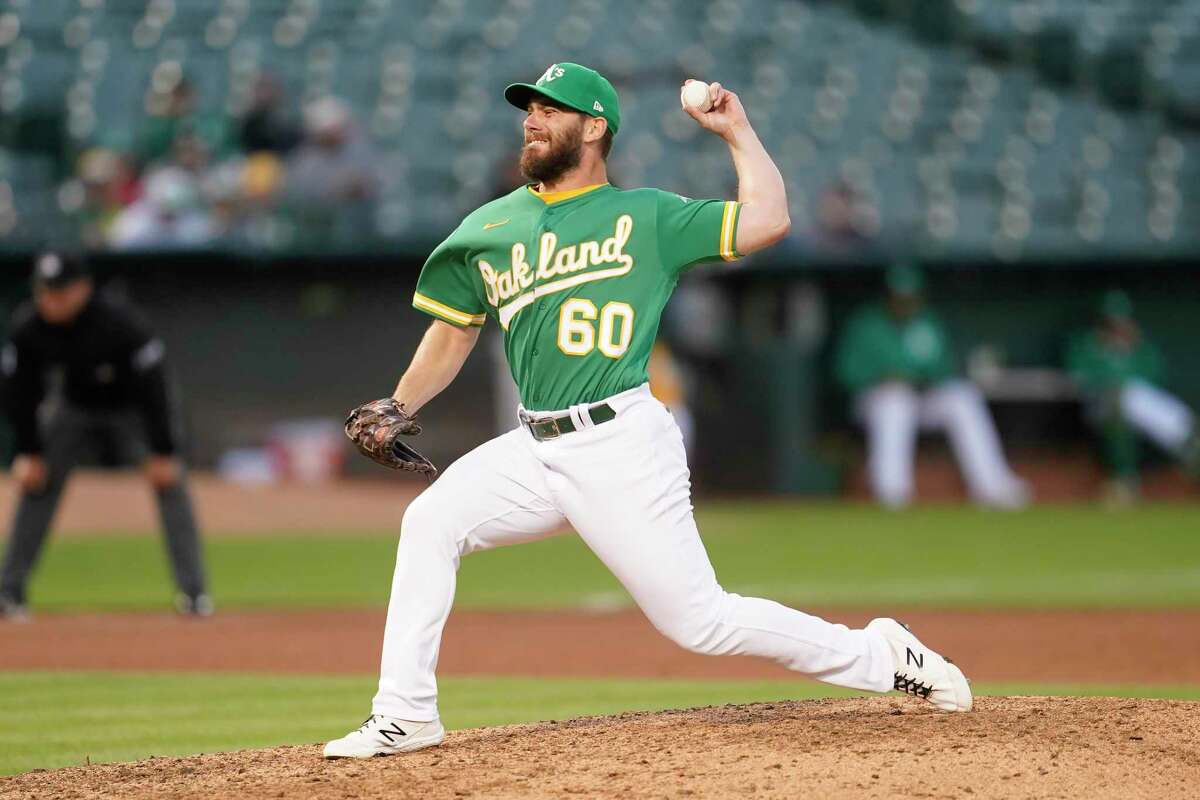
x: 255, y: 341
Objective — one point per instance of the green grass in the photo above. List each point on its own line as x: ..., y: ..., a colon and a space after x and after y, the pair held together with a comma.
x: 807, y: 554
x: 102, y: 716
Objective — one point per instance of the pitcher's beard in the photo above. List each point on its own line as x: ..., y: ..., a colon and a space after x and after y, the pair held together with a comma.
x: 563, y: 156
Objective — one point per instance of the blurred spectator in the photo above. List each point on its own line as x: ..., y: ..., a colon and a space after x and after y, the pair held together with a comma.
x: 238, y: 197
x: 173, y: 115
x: 1120, y: 374
x: 262, y: 176
x: 188, y: 152
x: 109, y: 184
x: 267, y: 126
x: 335, y: 163
x: 168, y: 215
x: 896, y: 360
x: 843, y: 225
x: 222, y: 191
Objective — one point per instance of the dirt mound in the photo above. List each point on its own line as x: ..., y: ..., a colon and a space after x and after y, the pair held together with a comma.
x: 1029, y: 747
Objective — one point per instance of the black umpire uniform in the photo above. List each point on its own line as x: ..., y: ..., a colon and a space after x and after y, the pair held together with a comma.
x: 93, y: 384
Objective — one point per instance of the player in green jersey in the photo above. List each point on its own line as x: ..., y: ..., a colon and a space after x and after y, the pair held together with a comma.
x: 576, y: 273
x: 1120, y: 372
x: 896, y: 360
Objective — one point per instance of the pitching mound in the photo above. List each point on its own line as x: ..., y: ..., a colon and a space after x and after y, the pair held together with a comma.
x: 1029, y: 747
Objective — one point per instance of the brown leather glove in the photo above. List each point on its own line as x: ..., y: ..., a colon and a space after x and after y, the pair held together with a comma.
x: 376, y: 428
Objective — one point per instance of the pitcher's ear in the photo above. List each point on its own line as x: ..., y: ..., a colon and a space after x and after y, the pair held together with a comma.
x: 597, y: 127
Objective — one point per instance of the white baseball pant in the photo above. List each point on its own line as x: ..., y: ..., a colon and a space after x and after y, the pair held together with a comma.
x: 624, y: 487
x: 893, y: 412
x: 1159, y: 415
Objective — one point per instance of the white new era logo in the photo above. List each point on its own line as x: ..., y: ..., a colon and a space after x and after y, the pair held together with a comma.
x: 597, y: 107
x: 50, y: 266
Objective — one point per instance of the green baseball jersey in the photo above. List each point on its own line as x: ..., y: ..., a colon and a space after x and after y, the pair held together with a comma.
x: 877, y: 347
x: 577, y: 281
x: 1098, y: 364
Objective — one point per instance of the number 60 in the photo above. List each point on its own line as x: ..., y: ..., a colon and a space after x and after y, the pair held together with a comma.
x: 577, y: 336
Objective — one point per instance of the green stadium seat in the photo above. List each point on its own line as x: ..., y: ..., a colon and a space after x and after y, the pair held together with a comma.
x: 920, y: 99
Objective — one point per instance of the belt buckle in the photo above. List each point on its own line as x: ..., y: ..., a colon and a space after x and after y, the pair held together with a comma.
x: 553, y: 431
x: 541, y: 429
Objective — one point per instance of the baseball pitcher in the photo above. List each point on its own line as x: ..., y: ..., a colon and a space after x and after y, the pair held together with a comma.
x: 576, y: 273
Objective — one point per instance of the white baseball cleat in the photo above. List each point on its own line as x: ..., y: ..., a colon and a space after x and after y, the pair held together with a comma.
x: 1012, y: 496
x: 385, y: 736
x: 922, y: 672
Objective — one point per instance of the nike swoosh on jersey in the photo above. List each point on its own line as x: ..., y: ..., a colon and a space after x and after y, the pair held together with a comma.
x: 489, y: 225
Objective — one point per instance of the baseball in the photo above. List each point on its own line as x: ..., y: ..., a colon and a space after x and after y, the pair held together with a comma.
x: 695, y: 94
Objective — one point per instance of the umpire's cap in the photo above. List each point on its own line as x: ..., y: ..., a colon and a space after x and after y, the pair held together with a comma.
x: 54, y: 270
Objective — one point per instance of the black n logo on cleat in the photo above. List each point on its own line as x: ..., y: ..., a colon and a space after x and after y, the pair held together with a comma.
x: 911, y: 658
x: 387, y: 734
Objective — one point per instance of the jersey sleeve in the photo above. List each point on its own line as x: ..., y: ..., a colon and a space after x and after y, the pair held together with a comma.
x: 444, y: 289
x: 694, y: 231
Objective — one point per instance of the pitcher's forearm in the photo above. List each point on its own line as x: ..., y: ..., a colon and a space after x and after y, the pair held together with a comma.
x: 417, y: 387
x: 764, y: 217
x: 439, y: 357
x: 759, y: 180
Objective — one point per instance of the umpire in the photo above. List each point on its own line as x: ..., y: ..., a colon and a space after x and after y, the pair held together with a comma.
x: 101, y: 372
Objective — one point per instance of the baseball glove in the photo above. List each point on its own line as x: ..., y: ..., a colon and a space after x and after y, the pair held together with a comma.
x: 376, y: 428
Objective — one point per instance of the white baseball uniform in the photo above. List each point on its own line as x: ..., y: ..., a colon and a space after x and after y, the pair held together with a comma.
x: 577, y: 281
x: 1157, y: 414
x: 624, y: 487
x: 893, y: 412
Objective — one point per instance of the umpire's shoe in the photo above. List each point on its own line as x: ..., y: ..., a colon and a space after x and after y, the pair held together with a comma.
x: 384, y: 736
x: 194, y: 605
x: 922, y: 672
x: 13, y: 608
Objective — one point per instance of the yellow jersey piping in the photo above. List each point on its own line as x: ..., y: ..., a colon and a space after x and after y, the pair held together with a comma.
x: 443, y: 311
x: 550, y: 198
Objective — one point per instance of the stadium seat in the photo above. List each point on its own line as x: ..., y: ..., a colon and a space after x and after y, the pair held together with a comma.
x: 902, y: 90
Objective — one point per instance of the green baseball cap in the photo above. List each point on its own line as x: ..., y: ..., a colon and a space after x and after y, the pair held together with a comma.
x: 575, y: 86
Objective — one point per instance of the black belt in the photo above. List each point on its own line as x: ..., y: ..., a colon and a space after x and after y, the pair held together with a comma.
x: 554, y: 427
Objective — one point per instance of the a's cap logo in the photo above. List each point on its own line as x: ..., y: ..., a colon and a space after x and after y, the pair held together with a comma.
x: 597, y: 107
x: 552, y: 72
x: 50, y: 266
